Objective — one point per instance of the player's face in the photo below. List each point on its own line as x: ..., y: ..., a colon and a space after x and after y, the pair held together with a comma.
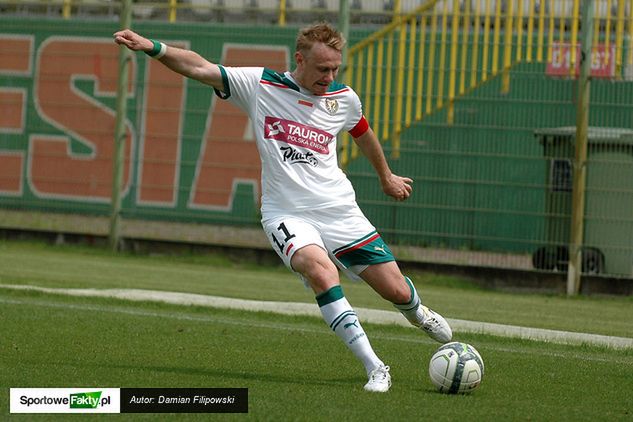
x: 317, y: 68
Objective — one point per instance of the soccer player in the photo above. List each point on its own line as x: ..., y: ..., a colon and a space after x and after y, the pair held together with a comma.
x: 309, y: 209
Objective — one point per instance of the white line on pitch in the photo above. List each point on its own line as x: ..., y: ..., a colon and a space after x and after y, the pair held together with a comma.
x: 366, y: 315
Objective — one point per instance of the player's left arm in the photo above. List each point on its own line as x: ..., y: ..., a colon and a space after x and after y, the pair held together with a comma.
x: 393, y: 185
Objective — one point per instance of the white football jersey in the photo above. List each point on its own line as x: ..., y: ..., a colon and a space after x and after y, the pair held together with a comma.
x: 296, y: 137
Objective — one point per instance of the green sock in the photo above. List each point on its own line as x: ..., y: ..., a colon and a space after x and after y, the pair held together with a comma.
x: 411, y: 310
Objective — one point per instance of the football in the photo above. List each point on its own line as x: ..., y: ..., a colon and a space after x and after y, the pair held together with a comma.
x: 456, y: 368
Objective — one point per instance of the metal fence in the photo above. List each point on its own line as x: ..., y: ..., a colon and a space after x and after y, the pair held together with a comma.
x: 476, y: 101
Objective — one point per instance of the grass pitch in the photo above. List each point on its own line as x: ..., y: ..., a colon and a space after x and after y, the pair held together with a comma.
x: 294, y: 367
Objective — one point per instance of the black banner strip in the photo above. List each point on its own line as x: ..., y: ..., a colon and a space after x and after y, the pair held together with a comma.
x: 184, y: 400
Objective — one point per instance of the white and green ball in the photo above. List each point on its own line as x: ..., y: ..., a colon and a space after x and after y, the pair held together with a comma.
x: 456, y: 368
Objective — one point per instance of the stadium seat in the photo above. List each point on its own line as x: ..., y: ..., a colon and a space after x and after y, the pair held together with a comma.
x: 450, y: 4
x: 602, y: 8
x: 201, y: 7
x: 143, y: 10
x: 377, y: 12
x: 300, y: 11
x: 94, y: 8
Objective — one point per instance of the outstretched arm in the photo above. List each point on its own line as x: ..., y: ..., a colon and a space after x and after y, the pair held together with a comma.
x: 393, y: 185
x: 186, y: 62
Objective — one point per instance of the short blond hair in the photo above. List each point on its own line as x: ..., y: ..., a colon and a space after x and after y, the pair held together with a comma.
x: 320, y: 32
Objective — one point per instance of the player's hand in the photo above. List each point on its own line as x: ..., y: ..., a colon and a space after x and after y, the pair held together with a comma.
x: 397, y: 187
x: 132, y: 40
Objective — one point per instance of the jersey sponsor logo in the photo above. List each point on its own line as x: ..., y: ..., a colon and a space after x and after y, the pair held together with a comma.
x: 275, y: 129
x: 292, y: 156
x: 298, y: 134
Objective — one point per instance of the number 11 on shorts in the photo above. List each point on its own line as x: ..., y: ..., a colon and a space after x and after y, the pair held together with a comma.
x: 286, y: 237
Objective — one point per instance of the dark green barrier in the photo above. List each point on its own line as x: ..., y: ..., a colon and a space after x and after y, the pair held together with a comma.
x: 480, y: 182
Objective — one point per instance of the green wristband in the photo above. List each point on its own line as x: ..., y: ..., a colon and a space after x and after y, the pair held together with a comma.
x: 155, y: 49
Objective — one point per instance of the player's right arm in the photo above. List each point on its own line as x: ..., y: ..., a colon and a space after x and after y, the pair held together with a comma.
x: 186, y: 62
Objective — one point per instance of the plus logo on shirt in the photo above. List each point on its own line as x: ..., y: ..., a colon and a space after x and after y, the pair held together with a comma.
x: 298, y: 134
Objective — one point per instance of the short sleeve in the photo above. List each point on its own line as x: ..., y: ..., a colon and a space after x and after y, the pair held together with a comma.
x: 239, y: 85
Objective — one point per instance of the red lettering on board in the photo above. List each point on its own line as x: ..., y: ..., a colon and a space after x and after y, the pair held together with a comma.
x: 15, y: 59
x: 161, y: 143
x: 58, y: 167
x: 228, y: 157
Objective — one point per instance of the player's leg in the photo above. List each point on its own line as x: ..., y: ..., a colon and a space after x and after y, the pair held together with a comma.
x: 314, y: 266
x: 358, y: 249
x: 313, y: 263
x: 300, y: 247
x: 387, y: 280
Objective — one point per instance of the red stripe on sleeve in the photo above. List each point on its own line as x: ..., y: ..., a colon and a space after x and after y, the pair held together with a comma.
x: 360, y: 128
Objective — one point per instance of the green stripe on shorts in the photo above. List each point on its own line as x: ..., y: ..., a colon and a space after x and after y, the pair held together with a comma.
x: 375, y: 252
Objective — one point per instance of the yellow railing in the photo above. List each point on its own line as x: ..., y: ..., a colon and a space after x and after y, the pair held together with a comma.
x: 425, y: 60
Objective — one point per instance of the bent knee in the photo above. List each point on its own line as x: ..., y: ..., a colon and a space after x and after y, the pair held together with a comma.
x: 313, y: 263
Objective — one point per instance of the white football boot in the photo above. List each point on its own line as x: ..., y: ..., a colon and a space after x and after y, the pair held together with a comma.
x: 436, y: 326
x: 379, y: 380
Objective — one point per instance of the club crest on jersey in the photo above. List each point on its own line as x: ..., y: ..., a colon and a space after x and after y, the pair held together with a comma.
x: 331, y: 106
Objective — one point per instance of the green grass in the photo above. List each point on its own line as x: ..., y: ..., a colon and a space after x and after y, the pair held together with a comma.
x: 82, y: 267
x: 294, y: 367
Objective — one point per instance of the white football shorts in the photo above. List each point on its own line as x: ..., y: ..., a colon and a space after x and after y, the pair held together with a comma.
x: 350, y: 240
